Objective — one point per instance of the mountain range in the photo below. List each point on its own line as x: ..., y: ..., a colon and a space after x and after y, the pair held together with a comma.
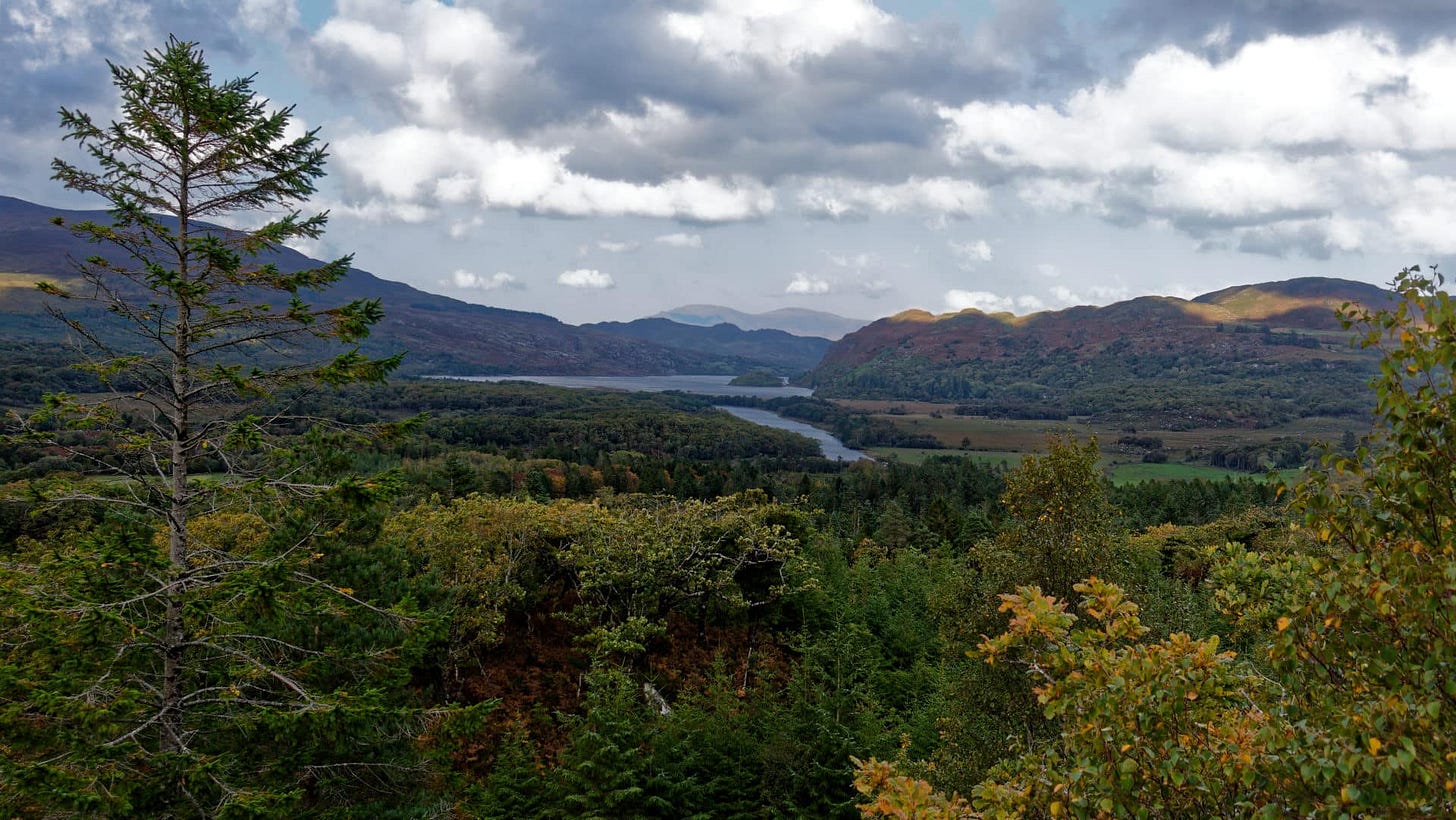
x: 798, y: 321
x: 441, y: 334
x: 1244, y: 355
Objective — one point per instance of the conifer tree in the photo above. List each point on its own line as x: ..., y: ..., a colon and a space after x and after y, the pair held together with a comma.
x: 188, y: 622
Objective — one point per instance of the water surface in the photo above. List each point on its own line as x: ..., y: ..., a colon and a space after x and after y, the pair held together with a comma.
x: 834, y: 449
x: 703, y: 385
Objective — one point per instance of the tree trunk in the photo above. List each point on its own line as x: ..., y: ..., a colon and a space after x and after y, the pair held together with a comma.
x: 174, y: 628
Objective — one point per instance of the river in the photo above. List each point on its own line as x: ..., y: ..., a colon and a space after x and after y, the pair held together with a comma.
x: 833, y: 448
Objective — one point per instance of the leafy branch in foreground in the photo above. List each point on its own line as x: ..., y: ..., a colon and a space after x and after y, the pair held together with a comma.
x: 1347, y: 707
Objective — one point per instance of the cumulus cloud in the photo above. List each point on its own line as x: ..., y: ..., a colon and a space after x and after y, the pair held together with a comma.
x: 957, y: 300
x: 56, y: 52
x: 739, y: 34
x: 496, y: 281
x: 680, y: 240
x: 423, y: 167
x: 586, y: 278
x: 1223, y: 23
x: 840, y: 198
x: 1282, y: 146
x: 674, y: 94
x: 1094, y: 294
x: 428, y: 62
x: 617, y: 247
x: 804, y: 284
x: 971, y: 254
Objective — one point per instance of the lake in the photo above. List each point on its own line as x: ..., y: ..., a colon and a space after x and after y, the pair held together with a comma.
x: 702, y: 385
x: 833, y: 448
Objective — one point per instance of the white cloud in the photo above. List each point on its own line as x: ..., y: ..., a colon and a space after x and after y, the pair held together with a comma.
x: 378, y: 210
x: 1094, y: 295
x: 1425, y: 216
x: 616, y: 247
x: 857, y: 261
x: 1300, y: 137
x: 432, y: 62
x: 680, y: 240
x: 875, y: 288
x: 496, y: 281
x: 586, y: 278
x: 462, y: 229
x: 840, y: 198
x: 1048, y: 270
x: 971, y: 254
x: 736, y: 33
x: 658, y: 121
x: 957, y: 300
x: 803, y: 283
x: 412, y: 165
x: 1065, y: 295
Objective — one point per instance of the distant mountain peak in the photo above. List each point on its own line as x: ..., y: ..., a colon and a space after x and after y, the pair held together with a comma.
x: 798, y: 321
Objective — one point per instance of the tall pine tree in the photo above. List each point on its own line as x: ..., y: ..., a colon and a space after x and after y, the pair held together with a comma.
x: 182, y: 650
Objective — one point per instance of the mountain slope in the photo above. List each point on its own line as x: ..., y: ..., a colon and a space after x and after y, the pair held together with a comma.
x: 783, y: 352
x: 1247, y: 355
x: 798, y: 321
x: 442, y: 335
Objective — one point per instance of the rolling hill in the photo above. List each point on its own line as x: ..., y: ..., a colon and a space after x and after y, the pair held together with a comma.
x: 442, y: 335
x: 1254, y: 354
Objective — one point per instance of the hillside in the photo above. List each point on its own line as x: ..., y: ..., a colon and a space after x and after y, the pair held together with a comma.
x: 442, y: 335
x: 798, y: 321
x: 783, y: 352
x: 1248, y: 355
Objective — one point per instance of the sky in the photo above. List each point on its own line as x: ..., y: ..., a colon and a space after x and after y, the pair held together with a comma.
x: 609, y: 159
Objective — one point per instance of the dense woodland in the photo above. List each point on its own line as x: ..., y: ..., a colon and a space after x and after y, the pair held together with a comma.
x: 1174, y: 388
x: 238, y: 590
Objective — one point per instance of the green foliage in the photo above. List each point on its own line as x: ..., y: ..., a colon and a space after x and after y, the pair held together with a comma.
x: 1167, y: 729
x: 1120, y: 381
x: 1361, y: 631
x: 603, y: 770
x: 1345, y: 707
x: 195, y: 649
x: 1060, y: 523
x: 896, y: 796
x: 626, y: 566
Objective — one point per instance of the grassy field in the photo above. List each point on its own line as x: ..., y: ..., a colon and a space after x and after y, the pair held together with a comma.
x: 1121, y: 472
x: 912, y: 455
x: 1134, y: 473
x: 997, y: 440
